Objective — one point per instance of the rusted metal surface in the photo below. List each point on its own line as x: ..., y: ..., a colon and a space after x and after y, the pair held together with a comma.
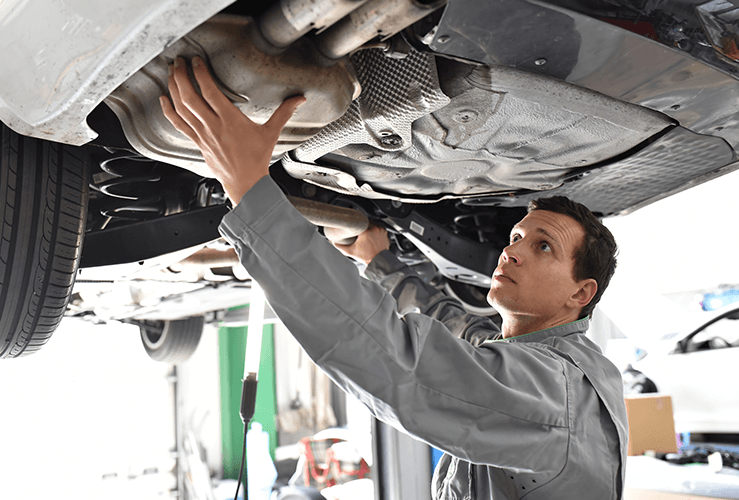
x: 211, y: 257
x: 288, y: 20
x: 257, y: 82
x: 341, y: 225
x: 376, y: 18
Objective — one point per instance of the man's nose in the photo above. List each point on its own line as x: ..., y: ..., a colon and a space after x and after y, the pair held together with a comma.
x: 511, y: 254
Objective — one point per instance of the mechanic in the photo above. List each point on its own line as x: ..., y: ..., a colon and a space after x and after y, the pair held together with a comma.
x: 534, y: 410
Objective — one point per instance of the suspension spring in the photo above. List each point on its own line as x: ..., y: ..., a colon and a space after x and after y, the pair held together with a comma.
x: 132, y: 190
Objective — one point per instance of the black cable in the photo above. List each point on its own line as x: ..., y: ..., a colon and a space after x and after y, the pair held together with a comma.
x: 241, y: 472
x: 248, y: 405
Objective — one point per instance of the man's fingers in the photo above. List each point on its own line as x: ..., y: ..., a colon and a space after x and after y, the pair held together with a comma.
x: 191, y: 121
x: 209, y: 90
x: 175, y: 119
x: 282, y: 115
x: 189, y: 97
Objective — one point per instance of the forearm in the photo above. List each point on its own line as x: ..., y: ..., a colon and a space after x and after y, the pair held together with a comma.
x: 414, y: 294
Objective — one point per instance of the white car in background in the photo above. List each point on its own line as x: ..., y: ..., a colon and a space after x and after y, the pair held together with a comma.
x: 697, y: 368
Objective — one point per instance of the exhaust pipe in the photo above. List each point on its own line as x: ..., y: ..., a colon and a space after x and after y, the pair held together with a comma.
x: 288, y: 20
x: 340, y: 225
x: 383, y: 18
x: 347, y: 24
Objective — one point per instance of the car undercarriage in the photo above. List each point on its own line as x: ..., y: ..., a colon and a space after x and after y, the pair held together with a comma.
x: 439, y: 120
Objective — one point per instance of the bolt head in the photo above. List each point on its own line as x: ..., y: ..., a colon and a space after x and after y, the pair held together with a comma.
x: 465, y: 115
x: 392, y: 141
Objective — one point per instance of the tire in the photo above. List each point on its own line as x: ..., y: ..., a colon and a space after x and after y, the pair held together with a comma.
x: 172, y: 341
x: 43, y: 209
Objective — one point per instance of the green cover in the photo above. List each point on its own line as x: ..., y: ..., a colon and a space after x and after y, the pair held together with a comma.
x: 231, y: 346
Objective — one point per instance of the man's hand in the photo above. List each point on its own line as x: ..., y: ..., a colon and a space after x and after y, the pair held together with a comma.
x: 368, y: 244
x: 237, y: 150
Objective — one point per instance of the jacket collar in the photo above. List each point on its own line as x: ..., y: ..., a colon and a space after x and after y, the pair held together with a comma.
x: 579, y: 326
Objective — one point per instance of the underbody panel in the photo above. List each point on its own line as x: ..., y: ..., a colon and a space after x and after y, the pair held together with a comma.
x: 499, y: 131
x: 427, y: 116
x: 480, y: 112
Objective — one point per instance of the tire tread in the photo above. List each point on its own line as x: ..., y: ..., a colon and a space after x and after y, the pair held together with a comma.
x: 179, y: 340
x: 45, y: 189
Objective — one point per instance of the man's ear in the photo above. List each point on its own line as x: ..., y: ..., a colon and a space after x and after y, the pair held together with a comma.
x: 585, y: 292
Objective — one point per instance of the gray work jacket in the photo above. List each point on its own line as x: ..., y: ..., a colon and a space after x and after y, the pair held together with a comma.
x: 540, y: 416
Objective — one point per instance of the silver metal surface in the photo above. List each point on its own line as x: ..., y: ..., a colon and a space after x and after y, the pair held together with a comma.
x: 679, y: 160
x: 395, y: 93
x: 376, y: 18
x: 397, y: 477
x: 288, y: 20
x: 450, y: 269
x: 255, y: 81
x: 504, y: 130
x: 593, y: 54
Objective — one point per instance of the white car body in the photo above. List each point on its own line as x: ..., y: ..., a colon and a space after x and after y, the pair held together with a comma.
x: 701, y: 383
x: 80, y: 52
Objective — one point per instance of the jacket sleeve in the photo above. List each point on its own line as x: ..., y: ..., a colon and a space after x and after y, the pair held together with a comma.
x: 414, y: 294
x: 499, y: 404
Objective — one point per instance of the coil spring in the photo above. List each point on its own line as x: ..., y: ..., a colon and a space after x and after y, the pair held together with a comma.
x: 133, y: 192
x: 481, y: 223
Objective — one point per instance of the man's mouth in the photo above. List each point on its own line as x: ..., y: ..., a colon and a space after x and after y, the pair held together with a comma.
x: 502, y: 277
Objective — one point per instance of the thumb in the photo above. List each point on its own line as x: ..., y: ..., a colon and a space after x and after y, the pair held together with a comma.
x: 282, y: 115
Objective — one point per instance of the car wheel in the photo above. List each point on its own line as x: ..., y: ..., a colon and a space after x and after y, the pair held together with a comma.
x: 43, y: 209
x: 635, y: 382
x: 172, y: 341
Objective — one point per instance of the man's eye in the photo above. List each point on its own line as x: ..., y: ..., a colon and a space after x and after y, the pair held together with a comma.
x: 515, y: 238
x: 545, y: 246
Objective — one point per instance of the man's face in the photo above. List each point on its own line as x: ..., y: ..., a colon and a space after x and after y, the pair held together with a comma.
x: 534, y: 277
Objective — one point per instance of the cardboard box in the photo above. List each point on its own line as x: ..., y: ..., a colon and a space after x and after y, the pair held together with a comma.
x: 651, y: 425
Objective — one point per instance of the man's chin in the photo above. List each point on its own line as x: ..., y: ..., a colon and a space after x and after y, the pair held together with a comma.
x: 500, y: 301
x: 491, y: 298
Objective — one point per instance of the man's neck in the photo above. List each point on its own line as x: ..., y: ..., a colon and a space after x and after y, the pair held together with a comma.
x: 517, y: 325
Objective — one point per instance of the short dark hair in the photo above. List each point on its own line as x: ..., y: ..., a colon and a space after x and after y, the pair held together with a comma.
x: 596, y: 256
